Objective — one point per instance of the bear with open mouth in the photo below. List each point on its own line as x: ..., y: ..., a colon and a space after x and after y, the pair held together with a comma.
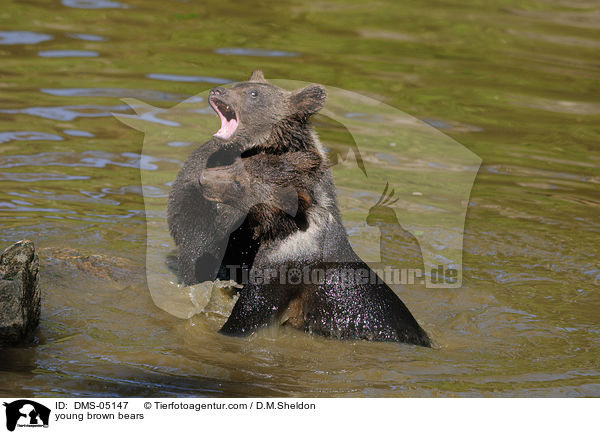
x: 260, y: 195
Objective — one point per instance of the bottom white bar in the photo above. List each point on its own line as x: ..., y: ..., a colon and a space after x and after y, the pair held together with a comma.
x: 302, y: 415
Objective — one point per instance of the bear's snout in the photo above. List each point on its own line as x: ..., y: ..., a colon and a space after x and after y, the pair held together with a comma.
x: 220, y: 184
x: 211, y: 177
x: 217, y: 91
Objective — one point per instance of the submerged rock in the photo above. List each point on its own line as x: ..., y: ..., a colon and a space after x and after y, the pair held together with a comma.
x: 105, y: 267
x: 20, y: 297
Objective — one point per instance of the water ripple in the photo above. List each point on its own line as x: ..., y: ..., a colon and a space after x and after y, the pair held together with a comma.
x: 96, y: 159
x: 67, y: 53
x: 44, y: 194
x: 130, y: 214
x: 84, y: 197
x: 255, y: 52
x: 9, y: 206
x: 153, y: 117
x: 87, y: 37
x: 78, y: 133
x: 117, y: 93
x: 7, y: 136
x: 188, y: 78
x: 17, y: 37
x: 556, y: 106
x: 35, y: 177
x: 127, y: 189
x: 94, y: 4
x: 69, y: 113
x: 512, y: 170
x: 365, y: 117
x: 153, y: 191
x: 451, y: 125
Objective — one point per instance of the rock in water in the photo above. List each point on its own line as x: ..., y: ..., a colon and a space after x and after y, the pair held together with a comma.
x: 20, y: 298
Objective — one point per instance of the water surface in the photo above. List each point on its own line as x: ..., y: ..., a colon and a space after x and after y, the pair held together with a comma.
x: 515, y: 83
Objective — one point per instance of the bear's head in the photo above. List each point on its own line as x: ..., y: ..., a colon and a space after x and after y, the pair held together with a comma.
x: 256, y: 112
x: 234, y: 185
x: 273, y: 190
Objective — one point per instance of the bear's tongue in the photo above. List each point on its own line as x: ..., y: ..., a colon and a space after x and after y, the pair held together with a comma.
x: 228, y: 126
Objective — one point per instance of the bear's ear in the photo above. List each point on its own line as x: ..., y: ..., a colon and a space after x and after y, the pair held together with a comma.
x: 309, y: 100
x: 257, y: 77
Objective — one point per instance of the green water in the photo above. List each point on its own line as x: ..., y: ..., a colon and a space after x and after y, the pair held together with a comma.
x: 517, y: 83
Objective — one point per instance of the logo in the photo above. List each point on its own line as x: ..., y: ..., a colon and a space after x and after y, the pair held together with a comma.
x: 26, y: 413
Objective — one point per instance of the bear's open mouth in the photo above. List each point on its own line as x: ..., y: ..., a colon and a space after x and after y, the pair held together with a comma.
x: 228, y: 118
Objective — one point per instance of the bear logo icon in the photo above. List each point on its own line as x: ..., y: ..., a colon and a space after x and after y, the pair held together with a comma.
x: 26, y: 413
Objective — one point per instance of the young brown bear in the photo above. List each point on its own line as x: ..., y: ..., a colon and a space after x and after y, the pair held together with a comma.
x: 255, y: 116
x: 280, y: 182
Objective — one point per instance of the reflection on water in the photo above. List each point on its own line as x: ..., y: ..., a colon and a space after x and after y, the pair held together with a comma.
x: 78, y: 133
x: 35, y: 177
x: 86, y: 37
x: 8, y: 136
x: 69, y: 113
x: 93, y: 4
x: 97, y: 159
x: 19, y: 37
x: 255, y: 52
x: 67, y: 53
x: 145, y: 94
x: 516, y: 85
x: 188, y: 78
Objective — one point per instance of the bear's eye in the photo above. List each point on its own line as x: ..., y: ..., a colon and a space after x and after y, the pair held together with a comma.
x: 254, y: 94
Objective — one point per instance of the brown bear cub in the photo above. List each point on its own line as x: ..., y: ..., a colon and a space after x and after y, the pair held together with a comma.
x: 260, y: 194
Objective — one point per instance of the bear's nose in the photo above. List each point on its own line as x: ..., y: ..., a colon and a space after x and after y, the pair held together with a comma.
x: 217, y: 91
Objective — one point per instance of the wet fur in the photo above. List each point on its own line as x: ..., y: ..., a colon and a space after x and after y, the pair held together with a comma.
x: 333, y: 307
